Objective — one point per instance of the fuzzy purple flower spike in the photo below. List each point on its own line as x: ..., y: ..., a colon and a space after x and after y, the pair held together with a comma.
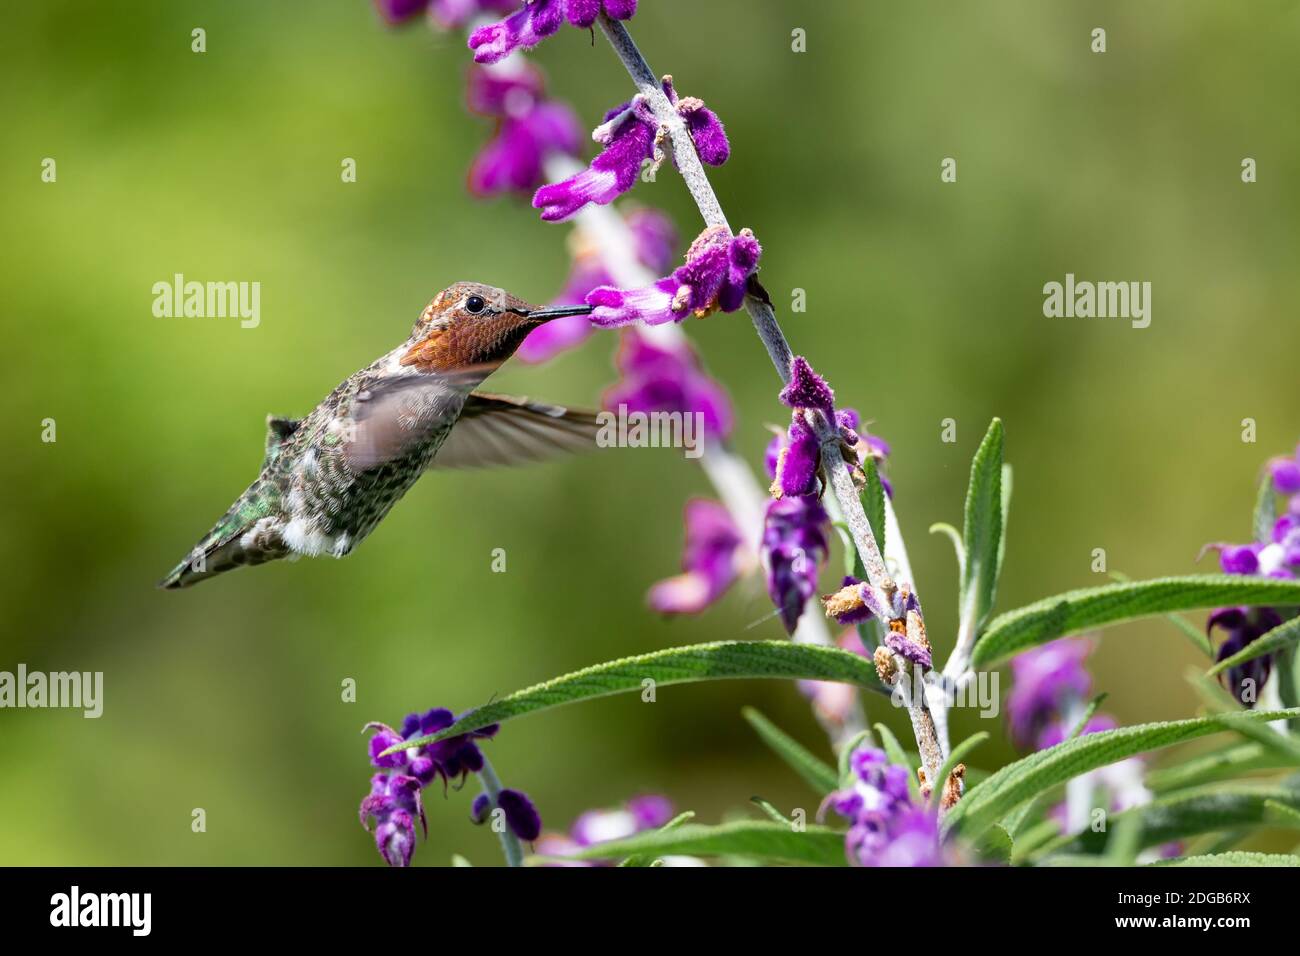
x: 394, y: 802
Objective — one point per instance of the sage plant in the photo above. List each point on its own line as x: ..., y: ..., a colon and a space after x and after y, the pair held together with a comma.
x: 1088, y: 790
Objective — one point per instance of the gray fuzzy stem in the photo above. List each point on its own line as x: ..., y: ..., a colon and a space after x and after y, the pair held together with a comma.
x: 514, y: 853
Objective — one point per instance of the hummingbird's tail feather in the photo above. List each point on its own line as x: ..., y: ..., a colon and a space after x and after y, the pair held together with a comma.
x: 231, y: 544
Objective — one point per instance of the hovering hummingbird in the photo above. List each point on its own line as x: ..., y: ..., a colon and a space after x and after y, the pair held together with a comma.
x: 330, y: 477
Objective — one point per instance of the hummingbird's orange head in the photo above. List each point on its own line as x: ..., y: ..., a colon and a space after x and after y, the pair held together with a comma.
x: 470, y: 326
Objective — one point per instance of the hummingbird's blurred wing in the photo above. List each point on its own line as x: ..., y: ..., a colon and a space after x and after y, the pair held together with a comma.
x: 504, y: 430
x: 389, y: 418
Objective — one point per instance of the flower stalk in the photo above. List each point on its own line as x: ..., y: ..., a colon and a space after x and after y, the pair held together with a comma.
x: 510, y: 847
x: 769, y: 331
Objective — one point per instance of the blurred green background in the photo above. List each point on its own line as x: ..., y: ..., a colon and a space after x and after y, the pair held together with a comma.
x: 924, y: 303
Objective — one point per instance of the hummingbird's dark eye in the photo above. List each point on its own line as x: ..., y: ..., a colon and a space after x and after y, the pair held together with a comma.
x: 475, y: 304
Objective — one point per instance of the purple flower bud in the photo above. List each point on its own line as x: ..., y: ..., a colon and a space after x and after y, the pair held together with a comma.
x: 395, y: 838
x: 479, y: 809
x: 706, y: 131
x: 386, y: 737
x: 1286, y: 474
x: 794, y: 545
x: 1047, y: 680
x: 521, y: 816
x: 1241, y: 559
x: 807, y: 389
x: 650, y: 811
x: 900, y: 643
x: 709, y: 561
x: 798, y: 461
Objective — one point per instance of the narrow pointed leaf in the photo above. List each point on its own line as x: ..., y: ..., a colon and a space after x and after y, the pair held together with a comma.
x: 1233, y: 858
x: 1015, y: 631
x: 724, y: 660
x: 1234, y: 761
x: 989, y: 801
x: 873, y: 501
x: 1192, y: 812
x: 982, y: 535
x: 1265, y: 509
x: 815, y: 772
x: 1284, y: 635
x: 756, y: 839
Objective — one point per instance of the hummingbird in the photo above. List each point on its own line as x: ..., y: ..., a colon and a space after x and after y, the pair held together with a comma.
x: 329, y: 478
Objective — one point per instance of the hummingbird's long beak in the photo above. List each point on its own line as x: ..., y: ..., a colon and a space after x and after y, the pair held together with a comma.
x: 558, y: 312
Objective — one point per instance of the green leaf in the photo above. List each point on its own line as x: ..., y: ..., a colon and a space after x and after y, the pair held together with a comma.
x: 1010, y: 633
x: 758, y: 839
x: 994, y: 845
x: 642, y: 860
x: 1006, y: 513
x: 846, y: 755
x: 1192, y: 812
x: 1233, y: 858
x: 873, y: 502
x: 770, y: 809
x: 723, y: 660
x: 953, y: 535
x: 1222, y: 764
x: 1228, y: 708
x: 1194, y: 634
x: 1015, y: 783
x: 983, y: 530
x: 1279, y: 637
x: 954, y: 758
x: 1265, y: 510
x: 815, y: 772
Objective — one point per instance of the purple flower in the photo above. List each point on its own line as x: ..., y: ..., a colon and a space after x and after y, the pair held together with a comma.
x: 630, y: 135
x: 1286, y: 477
x: 714, y: 276
x: 537, y: 20
x: 807, y: 389
x: 527, y: 130
x: 450, y: 759
x: 393, y: 805
x: 394, y: 801
x: 648, y: 812
x: 654, y: 238
x: 886, y: 828
x: 1047, y: 681
x: 667, y: 378
x: 1242, y: 625
x: 798, y: 461
x: 521, y: 816
x: 794, y: 545
x: 710, y: 561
